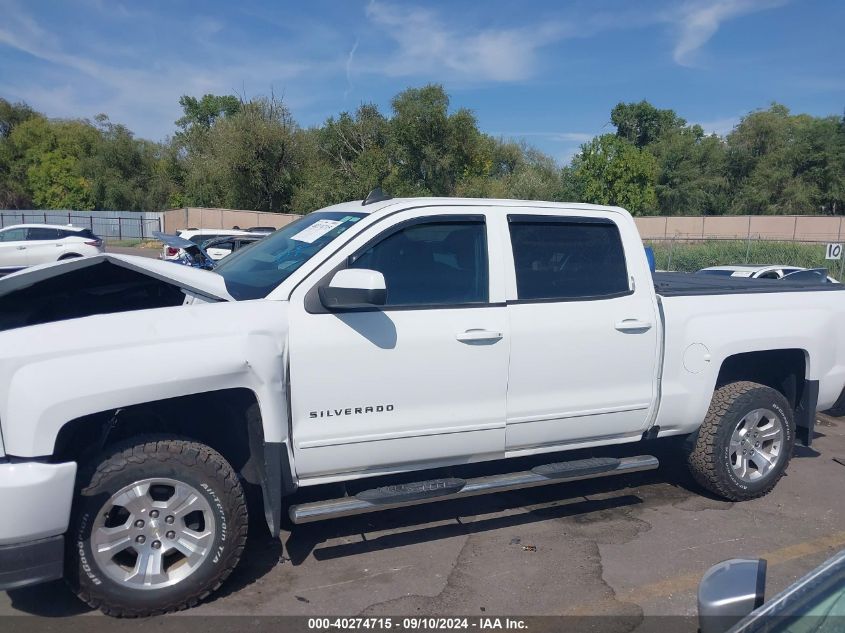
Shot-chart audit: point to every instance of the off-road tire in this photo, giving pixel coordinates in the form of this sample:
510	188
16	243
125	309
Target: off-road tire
709	458
170	457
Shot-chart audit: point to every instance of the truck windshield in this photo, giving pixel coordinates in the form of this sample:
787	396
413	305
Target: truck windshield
253	272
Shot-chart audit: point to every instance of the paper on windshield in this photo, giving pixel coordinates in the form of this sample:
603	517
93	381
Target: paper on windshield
316	231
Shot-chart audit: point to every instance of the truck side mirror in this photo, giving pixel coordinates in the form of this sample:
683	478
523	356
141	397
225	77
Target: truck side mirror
728	592
354	289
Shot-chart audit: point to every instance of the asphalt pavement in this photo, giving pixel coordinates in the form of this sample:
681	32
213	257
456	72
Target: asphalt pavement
631	547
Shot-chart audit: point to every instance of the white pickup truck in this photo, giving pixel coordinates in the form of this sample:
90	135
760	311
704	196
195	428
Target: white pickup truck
366	341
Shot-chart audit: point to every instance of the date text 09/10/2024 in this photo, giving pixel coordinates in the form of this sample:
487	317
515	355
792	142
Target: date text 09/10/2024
418	623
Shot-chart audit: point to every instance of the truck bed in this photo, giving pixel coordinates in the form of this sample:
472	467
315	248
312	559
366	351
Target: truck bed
690	284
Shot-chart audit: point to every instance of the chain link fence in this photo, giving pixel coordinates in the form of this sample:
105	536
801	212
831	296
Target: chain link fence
108	225
690	255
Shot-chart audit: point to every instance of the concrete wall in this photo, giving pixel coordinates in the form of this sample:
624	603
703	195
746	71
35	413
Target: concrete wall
133	224
807	228
202	218
773	227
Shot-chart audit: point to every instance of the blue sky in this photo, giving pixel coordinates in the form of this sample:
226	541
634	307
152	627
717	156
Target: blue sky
546	71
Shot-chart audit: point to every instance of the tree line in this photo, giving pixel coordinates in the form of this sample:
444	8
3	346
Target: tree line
228	152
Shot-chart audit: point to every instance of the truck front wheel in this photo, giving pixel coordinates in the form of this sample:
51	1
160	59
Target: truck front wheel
745	443
157	525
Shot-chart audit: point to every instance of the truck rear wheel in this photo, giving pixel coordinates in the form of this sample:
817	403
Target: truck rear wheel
745	443
158	524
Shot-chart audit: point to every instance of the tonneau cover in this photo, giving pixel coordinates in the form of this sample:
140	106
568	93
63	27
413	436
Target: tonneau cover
690	284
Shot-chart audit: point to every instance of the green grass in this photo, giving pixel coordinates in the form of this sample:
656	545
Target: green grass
692	256
135	243
128	242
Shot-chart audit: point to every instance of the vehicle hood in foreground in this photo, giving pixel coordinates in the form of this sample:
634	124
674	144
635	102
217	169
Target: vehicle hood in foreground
102	284
193	281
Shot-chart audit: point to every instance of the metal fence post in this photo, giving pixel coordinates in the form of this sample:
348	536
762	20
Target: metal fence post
842	269
119	228
671	248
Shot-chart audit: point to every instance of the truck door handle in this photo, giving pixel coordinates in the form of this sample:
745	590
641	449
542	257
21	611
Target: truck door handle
21	248
477	335
632	325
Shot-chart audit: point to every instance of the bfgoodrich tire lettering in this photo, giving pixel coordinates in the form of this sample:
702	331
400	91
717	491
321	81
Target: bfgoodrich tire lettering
724	435
157	465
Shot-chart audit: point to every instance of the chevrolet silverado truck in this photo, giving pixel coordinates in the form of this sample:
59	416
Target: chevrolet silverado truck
379	347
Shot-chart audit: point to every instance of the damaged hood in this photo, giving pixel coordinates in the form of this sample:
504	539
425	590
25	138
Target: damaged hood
193	281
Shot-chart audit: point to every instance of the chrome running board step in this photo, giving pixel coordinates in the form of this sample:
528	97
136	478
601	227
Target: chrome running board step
401	495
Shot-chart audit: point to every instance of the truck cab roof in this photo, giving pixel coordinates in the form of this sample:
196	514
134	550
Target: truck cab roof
358	206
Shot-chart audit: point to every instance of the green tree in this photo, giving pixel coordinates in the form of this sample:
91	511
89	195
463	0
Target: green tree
691	176
47	158
642	124
515	171
253	155
247	160
12	115
779	163
125	172
430	148
13	190
610	170
202	113
344	159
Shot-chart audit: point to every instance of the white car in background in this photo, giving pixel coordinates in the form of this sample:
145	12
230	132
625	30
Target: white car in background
752	271
23	245
198	237
219	247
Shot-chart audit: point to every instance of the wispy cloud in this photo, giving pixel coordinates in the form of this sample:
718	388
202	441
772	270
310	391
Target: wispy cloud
426	45
699	21
134	60
145	93
349	59
206	27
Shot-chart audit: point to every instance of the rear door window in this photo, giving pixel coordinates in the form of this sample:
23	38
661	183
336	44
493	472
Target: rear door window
567	258
38	233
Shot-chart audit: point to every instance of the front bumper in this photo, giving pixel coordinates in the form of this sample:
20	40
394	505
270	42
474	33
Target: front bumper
23	564
35	499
